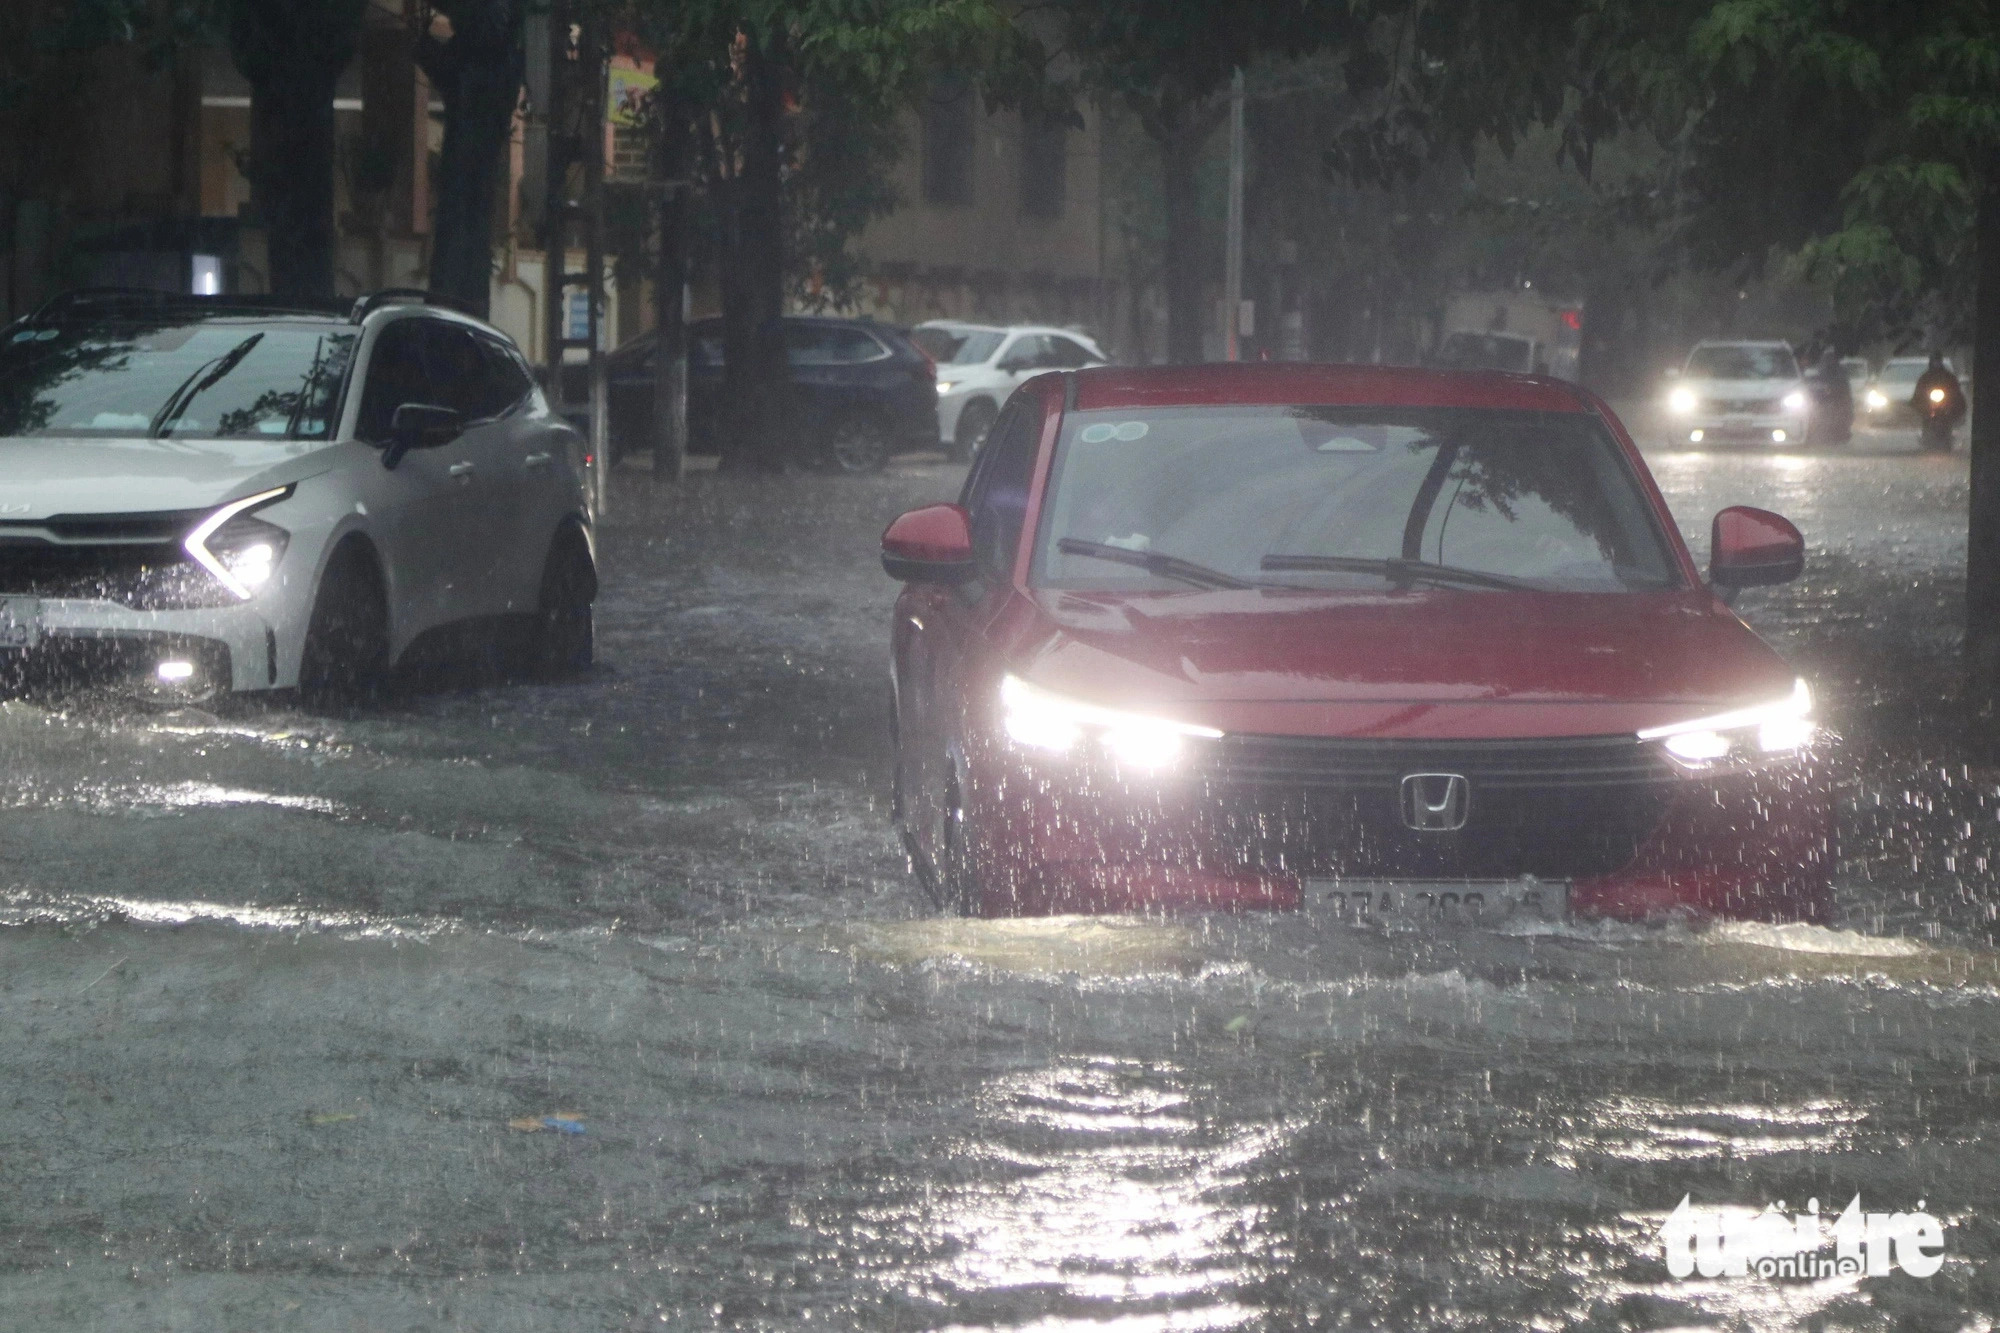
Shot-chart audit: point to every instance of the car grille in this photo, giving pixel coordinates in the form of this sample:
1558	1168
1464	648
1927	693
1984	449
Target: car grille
1557	809
1756	407
136	560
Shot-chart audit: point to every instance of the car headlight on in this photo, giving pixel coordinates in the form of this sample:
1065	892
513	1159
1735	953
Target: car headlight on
1741	738
946	386
1795	401
240	550
1681	400
1877	400
1937	395
1041	720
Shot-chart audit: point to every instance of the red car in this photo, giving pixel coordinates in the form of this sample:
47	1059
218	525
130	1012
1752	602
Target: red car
1375	642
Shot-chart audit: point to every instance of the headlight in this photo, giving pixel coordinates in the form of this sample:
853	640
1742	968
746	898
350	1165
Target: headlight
1937	395
1040	720
1741	738
1681	400
946	386
1795	401
1877	400
241	551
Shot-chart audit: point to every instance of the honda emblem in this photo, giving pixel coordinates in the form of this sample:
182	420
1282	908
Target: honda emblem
1436	802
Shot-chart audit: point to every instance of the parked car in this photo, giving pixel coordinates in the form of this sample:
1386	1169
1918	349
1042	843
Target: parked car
1741	393
1888	399
1857	375
980	364
862	392
214	495
1365	641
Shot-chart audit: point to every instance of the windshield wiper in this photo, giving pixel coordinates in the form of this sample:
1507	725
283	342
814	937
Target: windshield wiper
205	377
1402	571
1154	562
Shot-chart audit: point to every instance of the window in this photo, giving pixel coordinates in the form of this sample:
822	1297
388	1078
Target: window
506	381
830	345
1044	166
997	491
948	135
1060	353
398	373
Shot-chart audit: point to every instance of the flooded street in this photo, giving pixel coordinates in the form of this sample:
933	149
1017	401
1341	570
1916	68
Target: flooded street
611	1005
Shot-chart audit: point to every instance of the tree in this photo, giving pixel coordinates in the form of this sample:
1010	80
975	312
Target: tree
1894	191
293	52
777	98
476	71
1167	61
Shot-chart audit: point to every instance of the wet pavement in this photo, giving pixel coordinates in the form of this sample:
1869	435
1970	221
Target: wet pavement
610	1005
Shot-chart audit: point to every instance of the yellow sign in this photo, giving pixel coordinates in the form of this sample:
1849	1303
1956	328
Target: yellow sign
625	106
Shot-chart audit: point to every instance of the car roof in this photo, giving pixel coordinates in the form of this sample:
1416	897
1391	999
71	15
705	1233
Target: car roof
1293	383
962	326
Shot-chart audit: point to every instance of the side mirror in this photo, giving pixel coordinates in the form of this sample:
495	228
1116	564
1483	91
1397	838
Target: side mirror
420	426
1014	365
930	545
1750	548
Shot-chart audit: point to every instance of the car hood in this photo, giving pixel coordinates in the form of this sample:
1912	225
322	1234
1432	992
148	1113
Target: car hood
1421	662
41	477
1741	388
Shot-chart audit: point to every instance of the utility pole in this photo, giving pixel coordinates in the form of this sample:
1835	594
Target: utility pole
573	218
1232	281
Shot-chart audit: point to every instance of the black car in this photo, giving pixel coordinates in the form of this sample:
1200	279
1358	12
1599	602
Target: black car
862	391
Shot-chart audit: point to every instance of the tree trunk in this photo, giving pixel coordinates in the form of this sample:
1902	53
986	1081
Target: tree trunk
757	373
291	173
1180	138
1982	547
292	53
477	75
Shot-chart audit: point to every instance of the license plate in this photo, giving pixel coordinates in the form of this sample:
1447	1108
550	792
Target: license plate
20	622
1441	902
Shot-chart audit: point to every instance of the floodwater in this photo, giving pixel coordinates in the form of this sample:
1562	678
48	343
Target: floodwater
610	1005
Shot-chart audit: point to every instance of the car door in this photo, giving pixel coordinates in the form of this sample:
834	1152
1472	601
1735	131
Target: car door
945	626
1020	359
426	504
486	462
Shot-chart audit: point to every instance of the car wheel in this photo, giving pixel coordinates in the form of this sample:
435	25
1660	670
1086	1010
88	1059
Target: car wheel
974	421
857	444
346	653
565	630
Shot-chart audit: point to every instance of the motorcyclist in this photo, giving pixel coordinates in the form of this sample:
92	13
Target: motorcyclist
1833	400
1949	410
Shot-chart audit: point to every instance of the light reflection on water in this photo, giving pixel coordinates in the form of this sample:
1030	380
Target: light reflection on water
1100	1181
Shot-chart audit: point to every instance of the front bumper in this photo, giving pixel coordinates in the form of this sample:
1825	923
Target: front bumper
1245	825
231	647
1744	429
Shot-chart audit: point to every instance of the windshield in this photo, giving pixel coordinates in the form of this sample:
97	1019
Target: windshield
1743	362
1323	497
1905	370
216	378
957	347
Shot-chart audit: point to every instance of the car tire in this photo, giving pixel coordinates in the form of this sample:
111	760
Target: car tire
975	419
564	641
857	444
345	658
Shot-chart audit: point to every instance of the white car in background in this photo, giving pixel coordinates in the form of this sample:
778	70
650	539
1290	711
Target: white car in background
1741	393
213	495
978	365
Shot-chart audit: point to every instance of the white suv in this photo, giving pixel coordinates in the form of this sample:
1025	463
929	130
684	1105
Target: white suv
214	495
978	365
1742	393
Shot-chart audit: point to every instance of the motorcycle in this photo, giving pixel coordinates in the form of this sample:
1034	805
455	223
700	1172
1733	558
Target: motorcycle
1938	408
